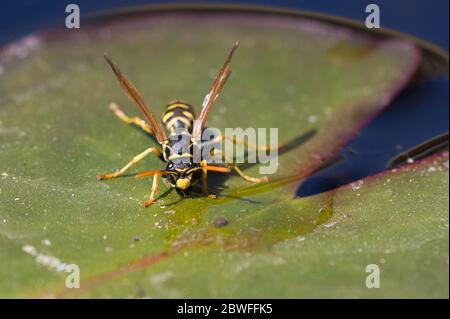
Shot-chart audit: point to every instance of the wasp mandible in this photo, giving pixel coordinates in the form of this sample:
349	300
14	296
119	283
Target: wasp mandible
181	171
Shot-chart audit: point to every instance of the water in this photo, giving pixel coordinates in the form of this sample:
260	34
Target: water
422	18
418	114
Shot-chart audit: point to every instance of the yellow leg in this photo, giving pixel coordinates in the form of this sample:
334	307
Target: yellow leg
241	173
249	178
153	192
129	120
135	160
205	181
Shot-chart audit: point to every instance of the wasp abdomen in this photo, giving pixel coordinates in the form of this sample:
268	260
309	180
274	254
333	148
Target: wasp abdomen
178	116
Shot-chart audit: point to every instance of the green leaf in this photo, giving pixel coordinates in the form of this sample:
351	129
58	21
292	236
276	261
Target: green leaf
390	220
315	82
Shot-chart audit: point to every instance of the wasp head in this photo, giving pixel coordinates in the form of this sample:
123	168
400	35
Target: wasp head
182	176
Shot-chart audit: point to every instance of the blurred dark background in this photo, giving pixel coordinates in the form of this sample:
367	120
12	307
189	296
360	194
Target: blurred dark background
418	114
426	19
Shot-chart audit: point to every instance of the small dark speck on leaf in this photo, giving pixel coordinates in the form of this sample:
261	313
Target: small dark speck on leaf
136	238
221	222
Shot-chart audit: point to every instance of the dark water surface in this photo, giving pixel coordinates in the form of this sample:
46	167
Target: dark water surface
418	114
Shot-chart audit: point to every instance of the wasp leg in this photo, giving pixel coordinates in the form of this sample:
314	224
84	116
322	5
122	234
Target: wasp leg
113	107
153	192
135	160
250	179
205	181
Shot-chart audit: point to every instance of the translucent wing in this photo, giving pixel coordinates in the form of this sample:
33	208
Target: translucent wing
212	95
136	97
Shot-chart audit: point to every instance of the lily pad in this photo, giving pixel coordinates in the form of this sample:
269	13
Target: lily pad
388	220
317	83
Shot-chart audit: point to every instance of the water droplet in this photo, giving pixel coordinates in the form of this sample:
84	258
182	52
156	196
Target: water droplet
357	185
312	119
46	242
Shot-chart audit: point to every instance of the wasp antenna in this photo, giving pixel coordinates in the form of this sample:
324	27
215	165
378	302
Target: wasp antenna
150	173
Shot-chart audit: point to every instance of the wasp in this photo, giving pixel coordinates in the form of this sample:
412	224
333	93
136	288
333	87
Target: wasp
181	172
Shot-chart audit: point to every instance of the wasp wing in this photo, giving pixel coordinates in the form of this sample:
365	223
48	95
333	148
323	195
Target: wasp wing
212	95
134	95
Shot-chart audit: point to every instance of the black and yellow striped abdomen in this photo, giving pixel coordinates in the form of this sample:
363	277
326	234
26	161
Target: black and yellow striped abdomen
178	116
